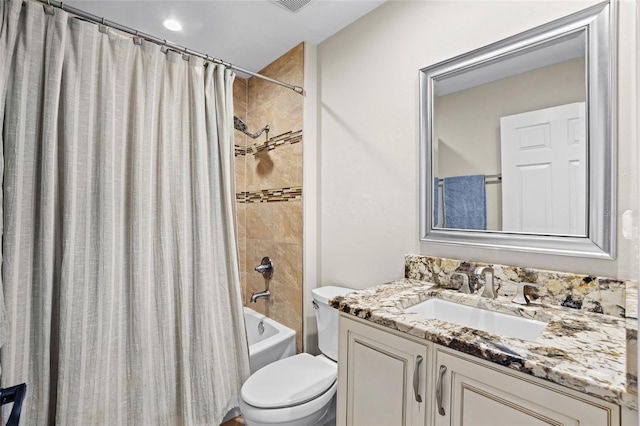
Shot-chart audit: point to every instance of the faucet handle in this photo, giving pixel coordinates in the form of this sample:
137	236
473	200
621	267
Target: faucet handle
464	288
265	268
522	298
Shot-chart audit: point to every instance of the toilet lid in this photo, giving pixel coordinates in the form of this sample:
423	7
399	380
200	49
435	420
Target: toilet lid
289	381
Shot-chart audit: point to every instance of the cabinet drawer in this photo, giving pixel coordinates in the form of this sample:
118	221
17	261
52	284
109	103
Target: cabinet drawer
477	394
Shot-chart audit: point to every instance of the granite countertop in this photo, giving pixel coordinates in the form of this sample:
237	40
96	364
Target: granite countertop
583	351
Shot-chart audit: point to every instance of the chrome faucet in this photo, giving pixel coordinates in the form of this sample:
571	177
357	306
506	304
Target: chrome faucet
265	268
260	295
489	289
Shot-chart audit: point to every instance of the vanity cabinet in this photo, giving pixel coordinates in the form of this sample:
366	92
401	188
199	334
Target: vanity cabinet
381	377
376	376
475	393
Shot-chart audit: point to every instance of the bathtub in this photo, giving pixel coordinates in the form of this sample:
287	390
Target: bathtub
268	340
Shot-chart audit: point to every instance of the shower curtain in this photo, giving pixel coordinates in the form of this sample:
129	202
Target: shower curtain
120	280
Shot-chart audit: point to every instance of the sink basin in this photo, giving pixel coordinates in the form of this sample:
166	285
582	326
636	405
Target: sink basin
480	319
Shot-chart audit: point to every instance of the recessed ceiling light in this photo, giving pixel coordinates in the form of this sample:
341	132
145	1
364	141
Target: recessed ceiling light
172	24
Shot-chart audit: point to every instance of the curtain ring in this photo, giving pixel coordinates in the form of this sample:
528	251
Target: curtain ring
164	43
137	40
103	21
48	8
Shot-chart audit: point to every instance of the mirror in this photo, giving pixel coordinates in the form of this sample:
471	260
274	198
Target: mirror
517	141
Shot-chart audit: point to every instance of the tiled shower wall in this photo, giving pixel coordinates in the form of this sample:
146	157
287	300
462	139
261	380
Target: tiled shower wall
269	188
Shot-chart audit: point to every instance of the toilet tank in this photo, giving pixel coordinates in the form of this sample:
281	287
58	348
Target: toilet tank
327	318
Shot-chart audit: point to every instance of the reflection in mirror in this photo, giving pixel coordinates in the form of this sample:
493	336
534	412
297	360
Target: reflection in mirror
517	141
510	120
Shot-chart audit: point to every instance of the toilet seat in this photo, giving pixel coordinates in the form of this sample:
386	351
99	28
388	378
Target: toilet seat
289	382
303	414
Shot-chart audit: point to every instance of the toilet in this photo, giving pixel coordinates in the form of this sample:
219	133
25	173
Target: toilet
299	390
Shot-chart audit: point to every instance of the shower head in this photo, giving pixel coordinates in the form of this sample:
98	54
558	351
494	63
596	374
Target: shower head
240	124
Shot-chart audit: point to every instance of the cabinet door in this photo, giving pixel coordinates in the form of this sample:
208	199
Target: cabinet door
474	394
381	378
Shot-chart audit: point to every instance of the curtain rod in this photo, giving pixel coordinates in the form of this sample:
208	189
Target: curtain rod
163	42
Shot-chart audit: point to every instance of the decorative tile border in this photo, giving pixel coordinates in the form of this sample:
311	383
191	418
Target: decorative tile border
288	138
586	292
269	195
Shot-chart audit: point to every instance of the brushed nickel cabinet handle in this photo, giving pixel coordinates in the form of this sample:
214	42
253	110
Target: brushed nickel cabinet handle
443	370
416	378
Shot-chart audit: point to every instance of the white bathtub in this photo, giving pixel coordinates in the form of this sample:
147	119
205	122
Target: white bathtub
268	340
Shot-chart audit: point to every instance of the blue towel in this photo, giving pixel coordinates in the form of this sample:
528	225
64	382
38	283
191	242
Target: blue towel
465	202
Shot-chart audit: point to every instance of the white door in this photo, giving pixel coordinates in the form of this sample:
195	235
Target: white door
544	171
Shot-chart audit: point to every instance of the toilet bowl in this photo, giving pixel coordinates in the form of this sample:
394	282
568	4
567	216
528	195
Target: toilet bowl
299	390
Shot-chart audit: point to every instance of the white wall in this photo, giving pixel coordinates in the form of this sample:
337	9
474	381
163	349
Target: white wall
368	133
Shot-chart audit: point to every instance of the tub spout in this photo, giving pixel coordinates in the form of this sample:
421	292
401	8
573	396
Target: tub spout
260	295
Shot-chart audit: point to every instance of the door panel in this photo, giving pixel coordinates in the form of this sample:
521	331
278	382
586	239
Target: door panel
382	378
544	171
378	384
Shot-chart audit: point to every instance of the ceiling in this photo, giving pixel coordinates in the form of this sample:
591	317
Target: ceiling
248	33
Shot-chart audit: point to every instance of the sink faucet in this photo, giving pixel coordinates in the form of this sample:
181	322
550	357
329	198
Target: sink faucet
260	295
489	289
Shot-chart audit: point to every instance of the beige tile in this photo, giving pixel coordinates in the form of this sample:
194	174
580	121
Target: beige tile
275	105
255	283
278	168
285	304
243	287
242	260
287	259
240	173
290	62
240	92
274	229
256	250
287	221
240	138
260	221
286	286
239	96
242	253
283	114
287	310
241	219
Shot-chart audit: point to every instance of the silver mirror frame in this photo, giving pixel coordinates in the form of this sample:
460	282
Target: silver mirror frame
599	23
